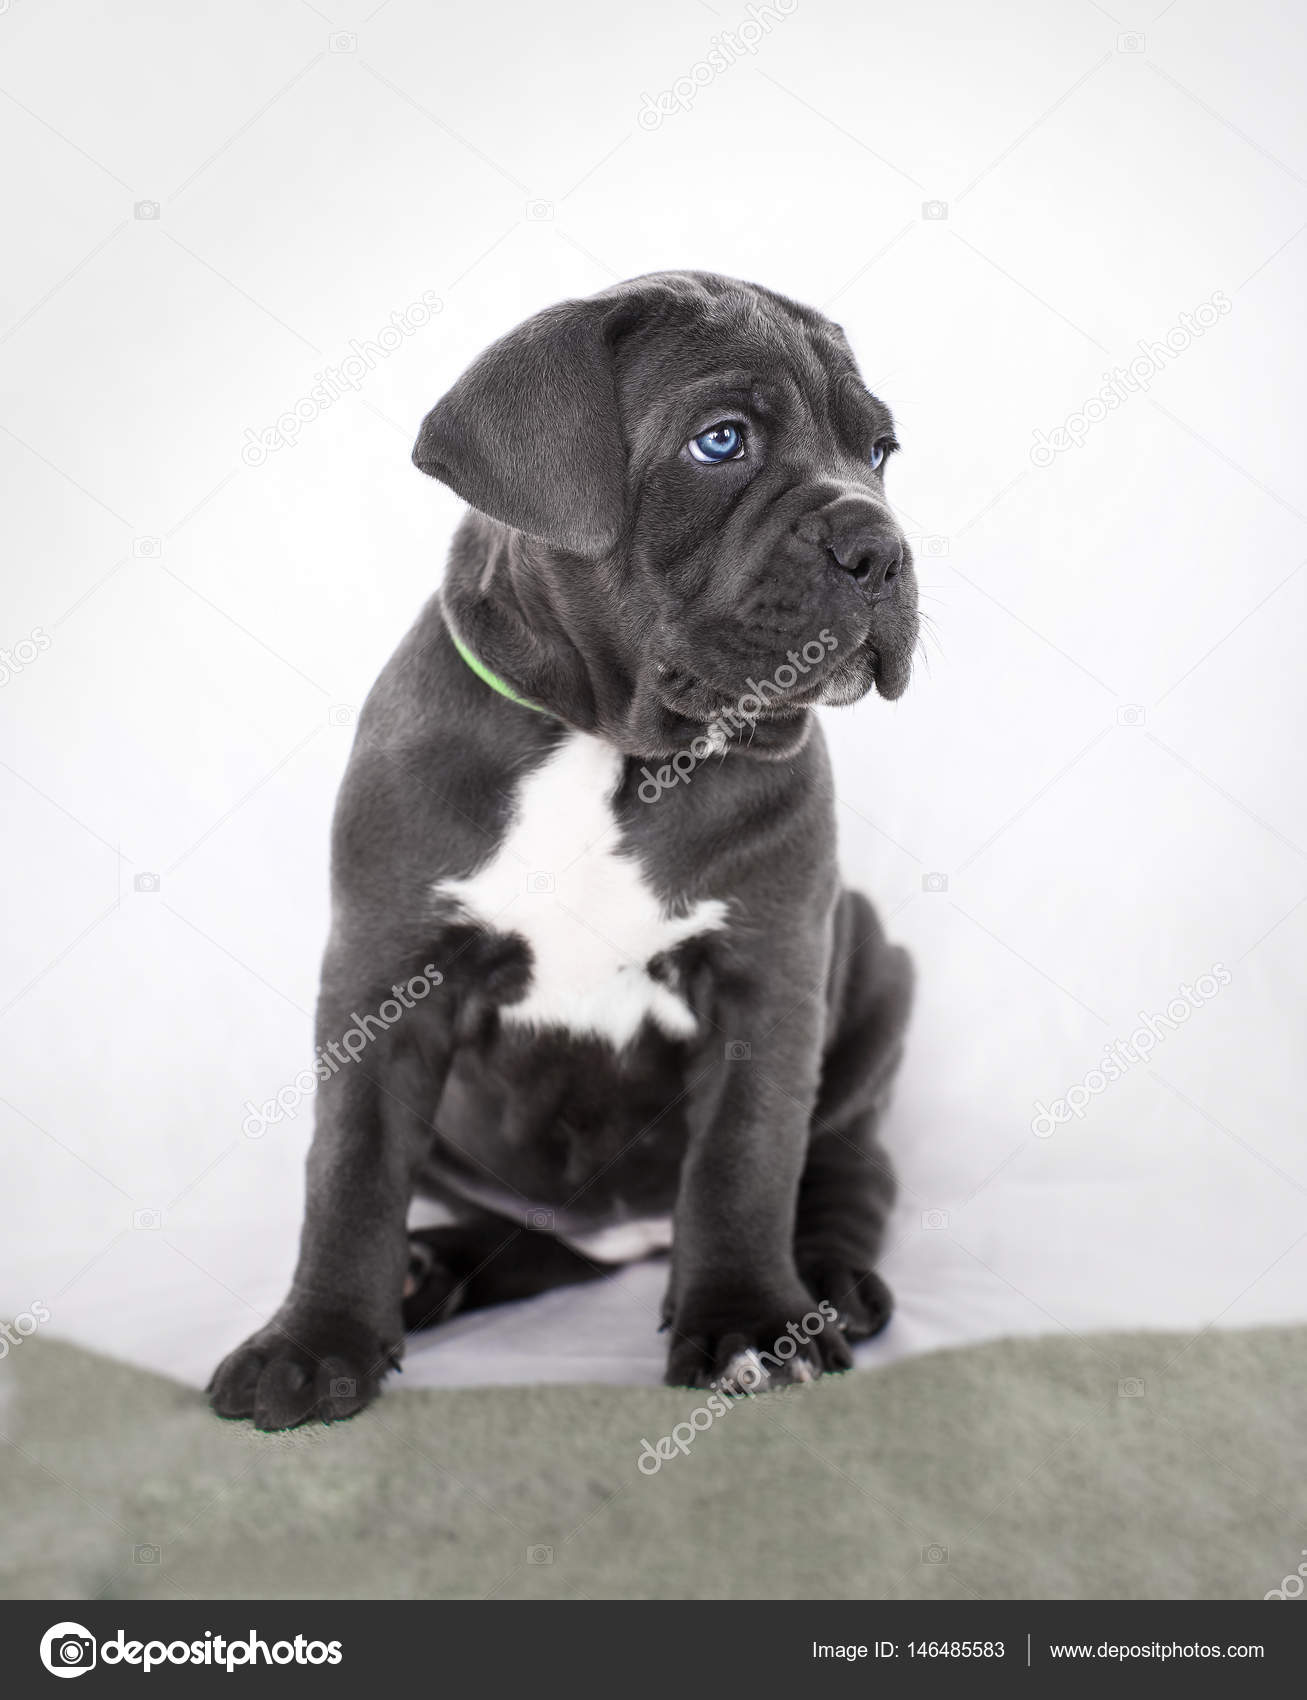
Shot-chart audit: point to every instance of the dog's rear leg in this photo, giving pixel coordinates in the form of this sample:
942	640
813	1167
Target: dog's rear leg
848	1184
485	1260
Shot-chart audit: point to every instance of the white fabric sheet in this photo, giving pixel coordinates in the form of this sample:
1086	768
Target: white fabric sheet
1090	796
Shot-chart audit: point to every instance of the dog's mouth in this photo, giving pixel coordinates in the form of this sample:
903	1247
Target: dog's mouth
762	701
767	716
891	670
735	710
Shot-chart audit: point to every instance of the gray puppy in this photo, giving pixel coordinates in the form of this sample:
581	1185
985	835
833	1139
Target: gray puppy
586	906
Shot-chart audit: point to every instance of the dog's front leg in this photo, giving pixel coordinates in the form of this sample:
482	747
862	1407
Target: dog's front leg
739	1314
324	1352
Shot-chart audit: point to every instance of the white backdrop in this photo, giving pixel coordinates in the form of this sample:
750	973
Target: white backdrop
1089	798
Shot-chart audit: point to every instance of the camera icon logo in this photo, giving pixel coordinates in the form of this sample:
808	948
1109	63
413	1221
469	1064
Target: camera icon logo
1130	1387
146	882
934	209
538	212
934	882
149	1221
343	1387
934	1219
1130	714
145	210
541	1220
934	1554
146	1555
1131	42
934	545
340	714
68	1650
147	548
737	1050
539	883
343	42
540	1555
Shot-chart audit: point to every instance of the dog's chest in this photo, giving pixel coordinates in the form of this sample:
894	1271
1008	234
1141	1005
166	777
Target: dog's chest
562	879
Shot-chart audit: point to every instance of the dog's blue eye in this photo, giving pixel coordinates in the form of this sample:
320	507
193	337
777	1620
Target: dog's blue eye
721	442
877	455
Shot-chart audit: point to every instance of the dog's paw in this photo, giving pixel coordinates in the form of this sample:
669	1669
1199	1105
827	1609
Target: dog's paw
434	1288
772	1346
860	1298
300	1369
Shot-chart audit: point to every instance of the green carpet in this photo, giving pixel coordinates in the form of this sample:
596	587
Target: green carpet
1026	1469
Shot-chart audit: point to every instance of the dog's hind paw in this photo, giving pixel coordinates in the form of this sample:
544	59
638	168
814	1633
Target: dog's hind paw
862	1301
301	1369
433	1291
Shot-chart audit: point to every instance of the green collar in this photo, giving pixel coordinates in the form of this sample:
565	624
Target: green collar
486	676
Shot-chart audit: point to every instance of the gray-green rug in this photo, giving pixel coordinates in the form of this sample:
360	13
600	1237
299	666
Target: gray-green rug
1122	1466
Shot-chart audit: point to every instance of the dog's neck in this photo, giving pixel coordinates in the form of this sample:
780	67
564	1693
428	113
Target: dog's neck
541	622
507	600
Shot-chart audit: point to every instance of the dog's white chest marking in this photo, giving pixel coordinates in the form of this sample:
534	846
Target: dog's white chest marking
560	879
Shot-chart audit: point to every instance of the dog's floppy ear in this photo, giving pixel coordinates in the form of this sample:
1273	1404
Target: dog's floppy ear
531	435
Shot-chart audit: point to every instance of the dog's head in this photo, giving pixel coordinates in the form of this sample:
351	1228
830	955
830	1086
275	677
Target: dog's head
693	474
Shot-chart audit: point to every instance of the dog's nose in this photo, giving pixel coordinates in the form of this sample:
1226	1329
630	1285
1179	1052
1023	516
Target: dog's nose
871	557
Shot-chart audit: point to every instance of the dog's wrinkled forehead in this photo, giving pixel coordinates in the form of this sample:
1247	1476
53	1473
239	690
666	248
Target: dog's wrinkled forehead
695	352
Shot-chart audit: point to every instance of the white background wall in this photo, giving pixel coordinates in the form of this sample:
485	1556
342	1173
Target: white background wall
1102	757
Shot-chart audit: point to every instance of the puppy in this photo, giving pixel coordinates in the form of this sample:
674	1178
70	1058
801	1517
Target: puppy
586	909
